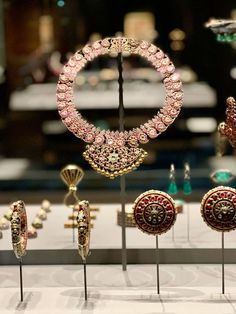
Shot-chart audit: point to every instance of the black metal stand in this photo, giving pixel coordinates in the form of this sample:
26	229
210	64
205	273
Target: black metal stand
21	281
188	222
157	263
85	281
73	228
122	179
223	262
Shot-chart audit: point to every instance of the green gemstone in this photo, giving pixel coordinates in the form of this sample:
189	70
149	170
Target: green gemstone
172	188
187	188
222	176
218	37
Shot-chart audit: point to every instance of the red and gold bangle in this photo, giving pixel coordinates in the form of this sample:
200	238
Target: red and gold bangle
84	227
19	228
228	128
154	212
114	153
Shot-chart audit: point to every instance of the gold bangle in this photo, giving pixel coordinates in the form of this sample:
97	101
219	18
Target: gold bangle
19	228
83	220
129	219
71	225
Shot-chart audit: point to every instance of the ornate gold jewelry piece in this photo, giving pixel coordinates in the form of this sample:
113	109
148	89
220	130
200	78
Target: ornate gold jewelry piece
129	219
83	220
114	153
228	128
71	175
19	228
218	208
154	212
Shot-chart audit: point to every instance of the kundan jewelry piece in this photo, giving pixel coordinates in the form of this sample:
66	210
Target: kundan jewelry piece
154	212
19	228
84	227
114	153
228	128
218	208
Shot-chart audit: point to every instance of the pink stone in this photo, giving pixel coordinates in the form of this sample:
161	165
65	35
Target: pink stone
64	113
61	88
152	133
170	68
152	48
61	105
144	44
159	54
72	62
174	77
68	120
61	96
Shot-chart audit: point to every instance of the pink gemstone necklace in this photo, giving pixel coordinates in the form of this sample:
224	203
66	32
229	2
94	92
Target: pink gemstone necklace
114	153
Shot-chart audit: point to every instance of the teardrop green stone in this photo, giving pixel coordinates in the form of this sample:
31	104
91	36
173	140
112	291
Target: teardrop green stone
187	188
172	188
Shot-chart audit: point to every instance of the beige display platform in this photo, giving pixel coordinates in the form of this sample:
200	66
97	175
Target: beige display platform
54	243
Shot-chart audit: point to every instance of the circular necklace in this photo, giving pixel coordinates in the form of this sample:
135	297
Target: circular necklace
114	153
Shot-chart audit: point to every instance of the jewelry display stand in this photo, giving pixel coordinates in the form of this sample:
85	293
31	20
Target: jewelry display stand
157	264
85	281
122	178
21	281
223	262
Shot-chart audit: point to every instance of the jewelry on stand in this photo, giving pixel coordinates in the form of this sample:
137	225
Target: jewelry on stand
84	227
154	212
114	153
19	228
172	188
71	176
225	30
221	176
218	208
228	128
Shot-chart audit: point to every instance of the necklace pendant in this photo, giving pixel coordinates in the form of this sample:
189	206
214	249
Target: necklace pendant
113	160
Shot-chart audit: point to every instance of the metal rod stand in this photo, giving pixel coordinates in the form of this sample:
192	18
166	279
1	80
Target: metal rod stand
85	281
188	223
157	263
21	281
122	179
223	261
73	229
